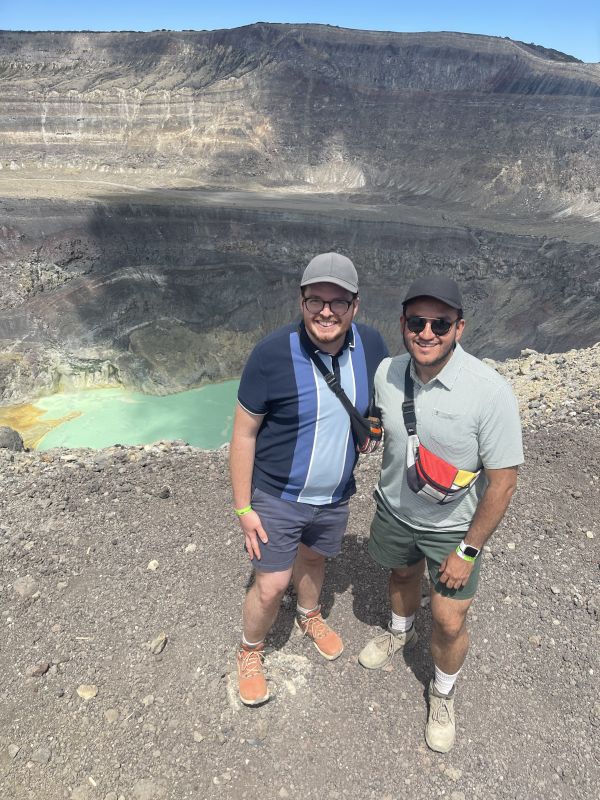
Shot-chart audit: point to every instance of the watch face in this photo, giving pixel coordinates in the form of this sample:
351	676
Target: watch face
472	552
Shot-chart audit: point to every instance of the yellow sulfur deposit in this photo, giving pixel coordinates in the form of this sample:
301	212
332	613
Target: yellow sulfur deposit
26	419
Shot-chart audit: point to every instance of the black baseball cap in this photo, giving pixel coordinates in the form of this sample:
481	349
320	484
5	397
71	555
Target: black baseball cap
437	286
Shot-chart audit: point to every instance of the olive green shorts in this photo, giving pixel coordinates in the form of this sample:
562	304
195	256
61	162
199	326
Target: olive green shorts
395	544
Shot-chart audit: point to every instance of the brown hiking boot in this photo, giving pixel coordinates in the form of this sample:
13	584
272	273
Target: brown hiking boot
327	642
251	678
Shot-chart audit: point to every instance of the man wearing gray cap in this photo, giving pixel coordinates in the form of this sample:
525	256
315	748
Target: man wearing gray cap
292	458
451	450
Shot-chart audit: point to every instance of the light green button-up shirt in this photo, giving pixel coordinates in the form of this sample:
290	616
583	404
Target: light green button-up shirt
467	415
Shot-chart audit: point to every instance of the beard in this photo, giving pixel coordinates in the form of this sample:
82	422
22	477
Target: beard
326	335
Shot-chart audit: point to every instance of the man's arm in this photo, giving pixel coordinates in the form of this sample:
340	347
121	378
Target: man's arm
455	571
241	465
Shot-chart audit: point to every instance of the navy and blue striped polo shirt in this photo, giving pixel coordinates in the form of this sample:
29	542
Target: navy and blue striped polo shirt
305	451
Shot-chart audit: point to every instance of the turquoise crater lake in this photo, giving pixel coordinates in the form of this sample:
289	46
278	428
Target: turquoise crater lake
103	417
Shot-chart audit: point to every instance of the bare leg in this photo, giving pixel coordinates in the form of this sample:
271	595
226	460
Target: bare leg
449	637
262	603
405	589
308	576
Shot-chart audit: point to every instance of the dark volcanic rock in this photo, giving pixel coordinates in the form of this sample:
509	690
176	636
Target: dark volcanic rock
10	439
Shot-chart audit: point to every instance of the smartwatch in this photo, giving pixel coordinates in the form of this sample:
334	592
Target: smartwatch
467	552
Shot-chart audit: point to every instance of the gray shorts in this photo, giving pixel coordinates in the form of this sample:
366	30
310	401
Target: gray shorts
288	524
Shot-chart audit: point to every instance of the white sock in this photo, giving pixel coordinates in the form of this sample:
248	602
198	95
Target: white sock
402	624
250	644
305	611
443	682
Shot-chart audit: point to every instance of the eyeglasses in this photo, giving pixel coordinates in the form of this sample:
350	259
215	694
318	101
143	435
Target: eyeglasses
314	305
439	327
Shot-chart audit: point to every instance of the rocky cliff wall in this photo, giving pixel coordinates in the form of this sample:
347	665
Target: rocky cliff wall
163	297
470	118
161	192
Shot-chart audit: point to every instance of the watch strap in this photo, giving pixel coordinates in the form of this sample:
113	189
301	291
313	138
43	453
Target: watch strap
465	551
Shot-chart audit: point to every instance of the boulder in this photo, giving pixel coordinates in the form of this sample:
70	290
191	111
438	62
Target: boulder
10	439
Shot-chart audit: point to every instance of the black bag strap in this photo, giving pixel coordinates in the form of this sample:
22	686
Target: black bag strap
408	406
359	424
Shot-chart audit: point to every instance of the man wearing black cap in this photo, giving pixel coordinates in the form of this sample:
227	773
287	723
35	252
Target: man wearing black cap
292	458
451	450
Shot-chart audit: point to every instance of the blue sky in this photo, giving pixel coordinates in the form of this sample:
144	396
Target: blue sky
573	27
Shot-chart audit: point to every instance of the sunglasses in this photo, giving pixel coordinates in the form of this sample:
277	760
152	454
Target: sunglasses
439	327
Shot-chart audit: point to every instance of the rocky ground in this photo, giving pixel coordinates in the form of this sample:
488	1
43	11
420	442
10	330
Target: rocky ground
122	577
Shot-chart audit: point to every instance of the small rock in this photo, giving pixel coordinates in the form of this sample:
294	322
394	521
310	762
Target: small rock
453	773
198	737
87	691
511	546
13	750
589	534
157	645
191	548
148	700
153	565
555	589
111	715
41	755
164	492
25	587
283	792
37	670
577	495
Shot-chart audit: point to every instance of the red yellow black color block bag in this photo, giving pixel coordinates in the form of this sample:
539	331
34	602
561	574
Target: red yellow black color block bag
428	475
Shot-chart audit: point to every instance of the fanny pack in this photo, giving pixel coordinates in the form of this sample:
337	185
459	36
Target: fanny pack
367	431
428	475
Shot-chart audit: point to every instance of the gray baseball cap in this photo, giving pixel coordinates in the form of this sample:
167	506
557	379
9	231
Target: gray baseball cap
331	268
437	286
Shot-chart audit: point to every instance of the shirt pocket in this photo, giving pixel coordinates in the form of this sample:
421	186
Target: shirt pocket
449	434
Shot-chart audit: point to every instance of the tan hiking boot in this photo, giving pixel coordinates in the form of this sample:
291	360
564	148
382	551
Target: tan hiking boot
380	650
327	642
251	677
440	730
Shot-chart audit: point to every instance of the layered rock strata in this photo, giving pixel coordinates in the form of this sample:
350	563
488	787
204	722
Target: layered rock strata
160	193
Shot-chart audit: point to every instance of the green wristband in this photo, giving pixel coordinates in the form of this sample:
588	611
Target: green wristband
241	511
460	554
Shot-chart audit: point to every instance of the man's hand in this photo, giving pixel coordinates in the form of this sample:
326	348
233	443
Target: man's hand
369	446
253	531
372	443
455	571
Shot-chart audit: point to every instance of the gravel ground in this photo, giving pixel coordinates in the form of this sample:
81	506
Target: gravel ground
122	578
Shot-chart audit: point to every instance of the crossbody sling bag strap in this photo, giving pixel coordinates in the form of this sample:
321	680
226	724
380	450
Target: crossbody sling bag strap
366	430
428	475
